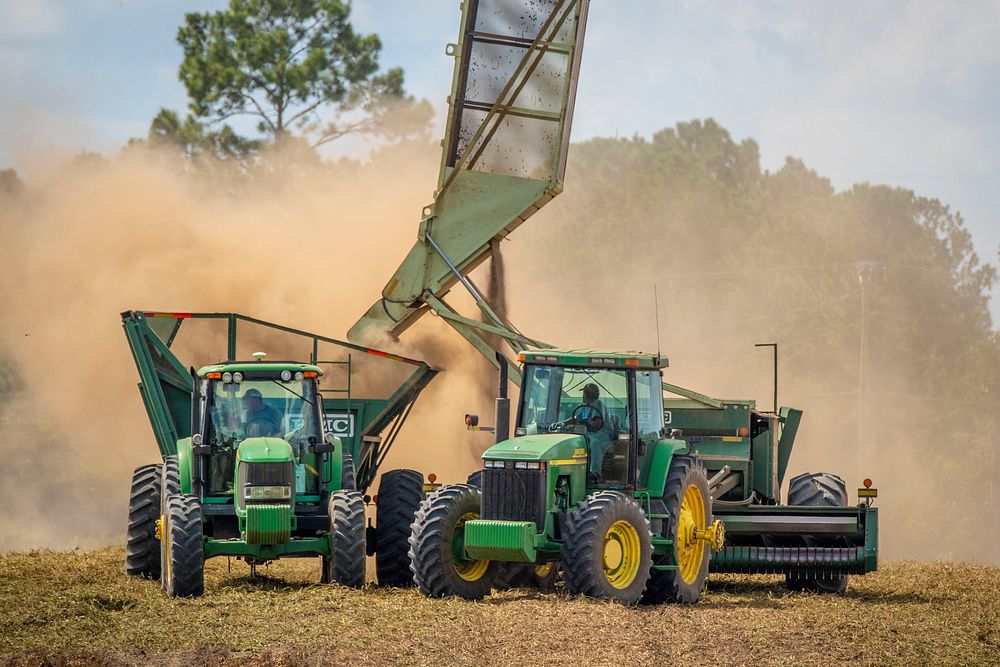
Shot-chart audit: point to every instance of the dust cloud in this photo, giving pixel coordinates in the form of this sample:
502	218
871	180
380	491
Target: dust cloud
312	247
309	247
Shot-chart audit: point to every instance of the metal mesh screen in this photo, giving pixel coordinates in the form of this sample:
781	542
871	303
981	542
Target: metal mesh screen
532	85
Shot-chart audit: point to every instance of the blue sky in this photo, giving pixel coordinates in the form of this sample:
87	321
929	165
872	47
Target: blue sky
902	93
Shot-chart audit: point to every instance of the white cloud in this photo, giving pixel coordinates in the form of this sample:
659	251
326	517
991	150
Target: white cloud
30	18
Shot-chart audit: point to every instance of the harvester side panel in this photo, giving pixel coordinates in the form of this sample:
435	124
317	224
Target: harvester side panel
164	383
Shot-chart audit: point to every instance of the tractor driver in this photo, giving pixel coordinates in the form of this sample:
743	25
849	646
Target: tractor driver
594	416
262	419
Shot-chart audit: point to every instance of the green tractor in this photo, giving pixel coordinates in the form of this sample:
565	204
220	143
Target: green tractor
636	497
259	465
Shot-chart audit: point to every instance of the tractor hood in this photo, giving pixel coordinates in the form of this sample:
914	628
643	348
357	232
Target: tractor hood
541	447
264	450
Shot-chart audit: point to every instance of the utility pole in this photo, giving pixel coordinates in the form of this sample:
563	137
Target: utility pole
865	271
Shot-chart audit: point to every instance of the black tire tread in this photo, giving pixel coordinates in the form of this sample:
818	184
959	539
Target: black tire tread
170	484
187	551
142	549
347	523
399	497
817	489
348	474
667	585
433	571
582	538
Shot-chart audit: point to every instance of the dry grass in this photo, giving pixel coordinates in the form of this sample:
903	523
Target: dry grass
79	608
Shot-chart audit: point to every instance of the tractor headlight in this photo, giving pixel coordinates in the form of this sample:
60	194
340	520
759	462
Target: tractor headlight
237	377
267	492
521	465
299	376
227	377
286	376
533	465
492	464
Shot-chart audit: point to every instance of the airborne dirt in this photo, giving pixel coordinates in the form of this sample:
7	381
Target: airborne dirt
79	608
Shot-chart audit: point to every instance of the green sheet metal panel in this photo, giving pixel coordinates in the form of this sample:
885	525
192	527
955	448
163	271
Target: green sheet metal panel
488	539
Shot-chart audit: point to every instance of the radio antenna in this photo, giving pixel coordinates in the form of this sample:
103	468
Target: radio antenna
656	311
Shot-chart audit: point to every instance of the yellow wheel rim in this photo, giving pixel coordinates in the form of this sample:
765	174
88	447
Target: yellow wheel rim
543	570
622	552
690	550
470	570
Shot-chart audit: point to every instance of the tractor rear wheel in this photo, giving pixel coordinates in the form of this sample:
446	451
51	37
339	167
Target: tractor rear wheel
437	546
607	548
348	477
183	548
690	508
142	550
819	489
347	540
399	495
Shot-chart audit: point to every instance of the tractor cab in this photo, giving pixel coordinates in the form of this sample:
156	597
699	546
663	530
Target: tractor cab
240	407
613	402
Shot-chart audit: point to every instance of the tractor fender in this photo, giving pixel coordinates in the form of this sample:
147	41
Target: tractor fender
659	456
184	464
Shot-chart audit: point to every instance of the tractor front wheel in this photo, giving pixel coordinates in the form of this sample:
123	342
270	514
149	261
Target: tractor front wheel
347	540
142	552
183	548
607	548
437	546
399	495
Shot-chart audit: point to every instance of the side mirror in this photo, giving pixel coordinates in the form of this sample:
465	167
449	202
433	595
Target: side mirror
329	444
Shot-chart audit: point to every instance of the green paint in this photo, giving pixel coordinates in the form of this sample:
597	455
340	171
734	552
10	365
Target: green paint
501	540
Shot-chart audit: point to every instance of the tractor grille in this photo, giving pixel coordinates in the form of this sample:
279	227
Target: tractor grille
269	473
514	495
262	474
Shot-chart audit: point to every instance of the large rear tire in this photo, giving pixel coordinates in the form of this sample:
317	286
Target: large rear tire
437	546
689	505
183	548
819	489
142	549
347	540
399	496
607	549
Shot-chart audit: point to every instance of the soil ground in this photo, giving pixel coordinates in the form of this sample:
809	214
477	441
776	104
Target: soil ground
79	608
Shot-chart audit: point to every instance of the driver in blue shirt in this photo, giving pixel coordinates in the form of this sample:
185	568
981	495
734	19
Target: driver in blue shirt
594	416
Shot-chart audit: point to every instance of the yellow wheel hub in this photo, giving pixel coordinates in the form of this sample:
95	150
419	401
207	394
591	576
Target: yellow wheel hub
622	552
542	571
470	570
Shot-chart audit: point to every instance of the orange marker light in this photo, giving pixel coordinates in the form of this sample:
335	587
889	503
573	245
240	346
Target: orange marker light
310	374
867	483
743	431
432	478
631	362
214	376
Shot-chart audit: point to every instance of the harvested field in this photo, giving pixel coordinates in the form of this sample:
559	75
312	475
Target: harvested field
79	608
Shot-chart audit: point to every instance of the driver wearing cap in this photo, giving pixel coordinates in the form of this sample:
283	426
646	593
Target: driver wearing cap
595	416
262	419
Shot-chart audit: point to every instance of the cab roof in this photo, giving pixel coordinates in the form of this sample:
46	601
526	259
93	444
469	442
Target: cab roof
266	366
593	358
